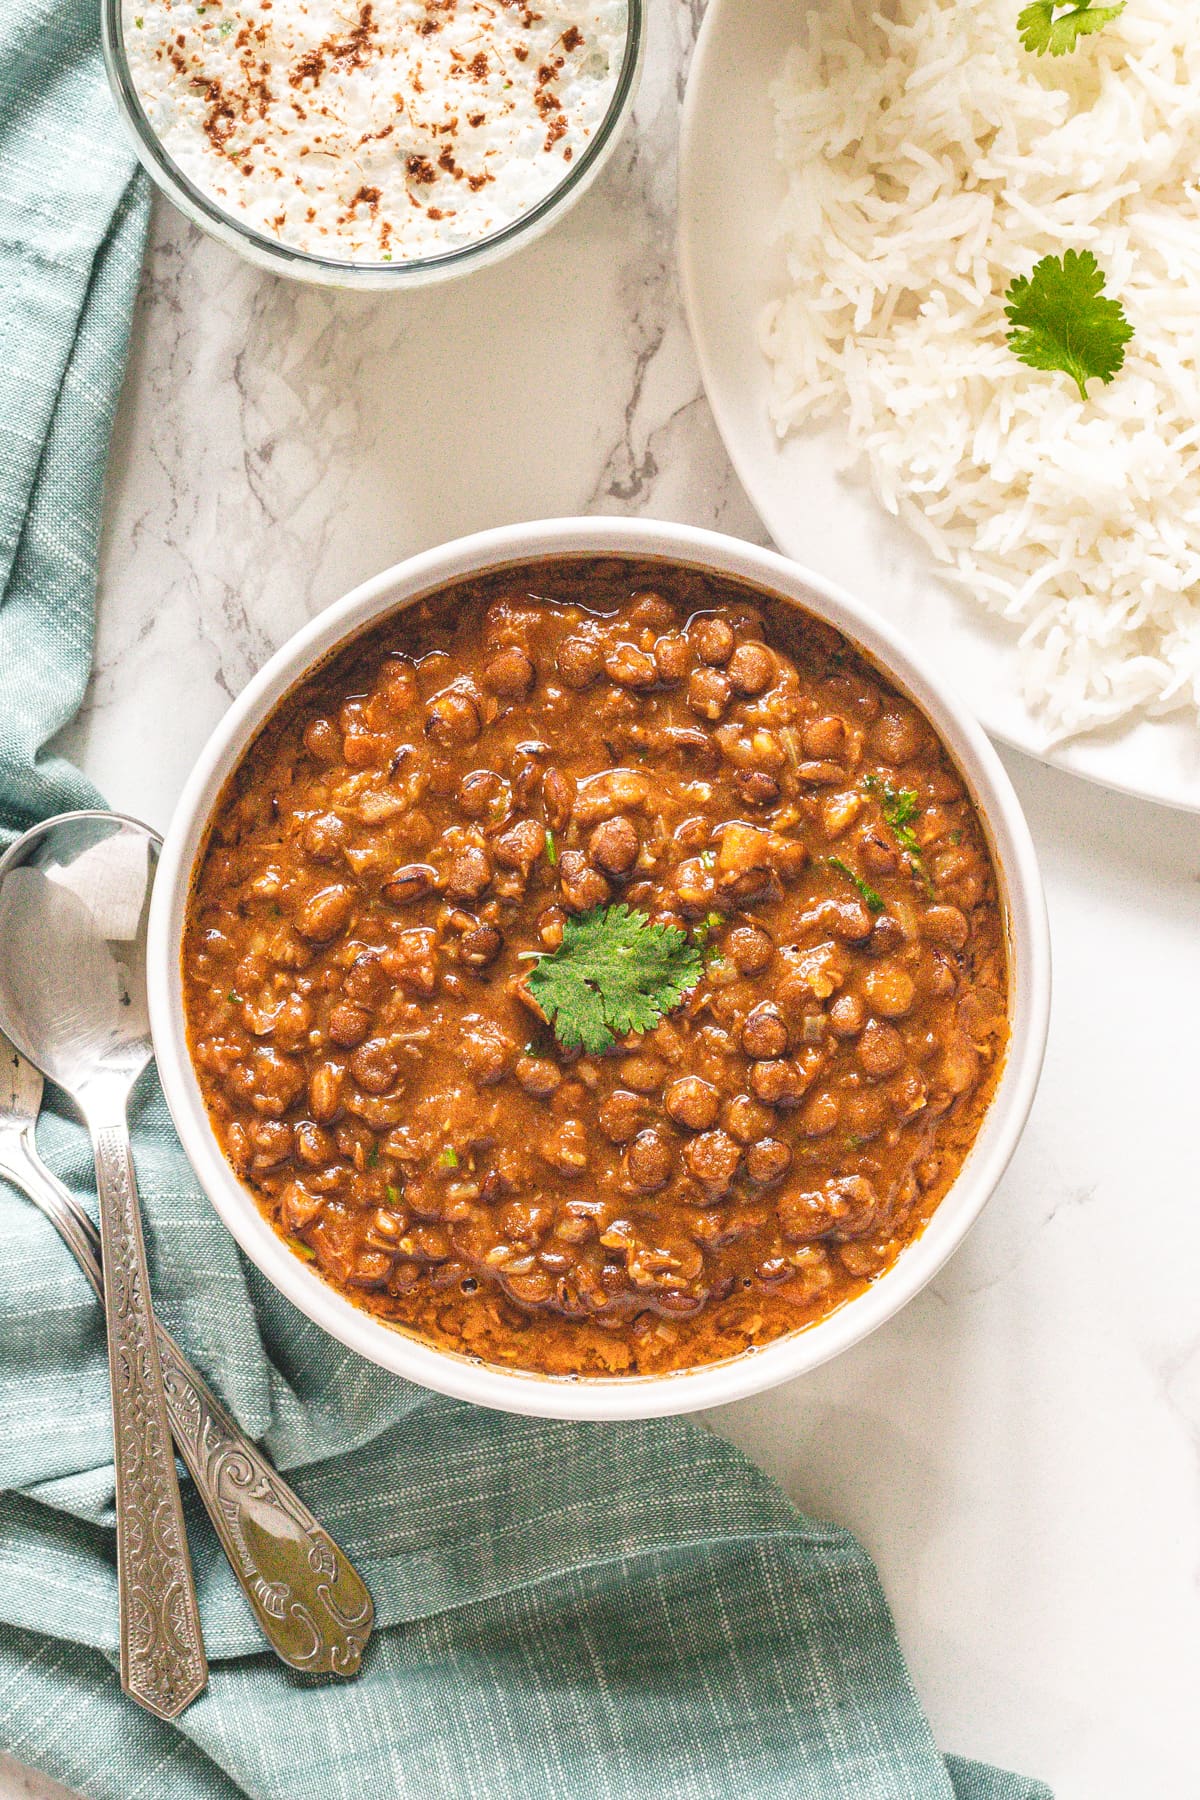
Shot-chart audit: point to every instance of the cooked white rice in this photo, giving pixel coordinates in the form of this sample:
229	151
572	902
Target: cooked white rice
930	160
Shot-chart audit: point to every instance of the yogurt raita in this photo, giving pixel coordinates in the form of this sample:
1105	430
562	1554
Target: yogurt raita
378	130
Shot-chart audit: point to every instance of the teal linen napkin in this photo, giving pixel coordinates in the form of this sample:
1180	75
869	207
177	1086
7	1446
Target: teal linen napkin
564	1610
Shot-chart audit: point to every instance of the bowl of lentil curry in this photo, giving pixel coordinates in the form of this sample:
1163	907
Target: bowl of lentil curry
597	971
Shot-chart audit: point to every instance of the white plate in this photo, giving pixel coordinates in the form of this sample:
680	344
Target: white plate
730	191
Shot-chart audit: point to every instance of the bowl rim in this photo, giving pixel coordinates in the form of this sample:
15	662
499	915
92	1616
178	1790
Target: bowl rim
266	252
755	1370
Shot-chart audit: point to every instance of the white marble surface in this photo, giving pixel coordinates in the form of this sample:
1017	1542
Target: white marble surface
1019	1450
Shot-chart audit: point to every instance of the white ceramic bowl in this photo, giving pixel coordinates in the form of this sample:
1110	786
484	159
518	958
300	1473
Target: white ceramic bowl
638	1396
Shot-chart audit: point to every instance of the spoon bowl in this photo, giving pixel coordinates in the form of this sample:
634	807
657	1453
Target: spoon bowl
74	902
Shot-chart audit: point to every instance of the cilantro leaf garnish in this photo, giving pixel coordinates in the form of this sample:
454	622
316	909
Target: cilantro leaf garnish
900	807
1062	319
871	896
1057	27
702	935
615	971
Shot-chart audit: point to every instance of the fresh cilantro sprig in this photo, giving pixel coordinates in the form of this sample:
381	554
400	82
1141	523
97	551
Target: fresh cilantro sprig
1051	25
872	898
900	807
615	971
1062	319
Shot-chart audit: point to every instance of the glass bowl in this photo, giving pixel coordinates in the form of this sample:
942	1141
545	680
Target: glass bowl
302	265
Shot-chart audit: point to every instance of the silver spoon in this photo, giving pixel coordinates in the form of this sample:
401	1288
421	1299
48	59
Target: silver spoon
310	1602
74	896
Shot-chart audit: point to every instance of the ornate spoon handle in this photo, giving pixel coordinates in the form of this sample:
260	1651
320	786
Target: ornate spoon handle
310	1601
163	1666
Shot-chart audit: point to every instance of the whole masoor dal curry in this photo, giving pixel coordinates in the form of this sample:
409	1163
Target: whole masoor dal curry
597	968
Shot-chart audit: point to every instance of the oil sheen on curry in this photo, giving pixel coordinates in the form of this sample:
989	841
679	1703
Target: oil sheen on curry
597	969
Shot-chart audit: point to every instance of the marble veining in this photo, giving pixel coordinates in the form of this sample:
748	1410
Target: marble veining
1019	1449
